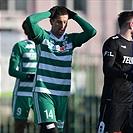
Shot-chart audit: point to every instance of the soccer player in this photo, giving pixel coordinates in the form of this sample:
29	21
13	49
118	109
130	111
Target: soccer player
22	66
117	97
53	77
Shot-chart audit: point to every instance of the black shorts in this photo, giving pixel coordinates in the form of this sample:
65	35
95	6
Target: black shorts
116	117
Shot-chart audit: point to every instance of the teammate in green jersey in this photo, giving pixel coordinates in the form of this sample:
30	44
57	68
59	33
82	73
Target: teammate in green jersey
53	76
22	65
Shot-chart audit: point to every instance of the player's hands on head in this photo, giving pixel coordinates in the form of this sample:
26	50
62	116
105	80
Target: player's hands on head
71	14
30	77
52	11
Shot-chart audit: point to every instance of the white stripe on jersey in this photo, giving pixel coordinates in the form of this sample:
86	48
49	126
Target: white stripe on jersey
22	93
26	84
53	56
53	80
50	45
30	65
54	68
31	55
54	92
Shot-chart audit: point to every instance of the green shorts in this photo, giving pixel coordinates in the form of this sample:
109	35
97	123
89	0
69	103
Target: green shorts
50	108
21	106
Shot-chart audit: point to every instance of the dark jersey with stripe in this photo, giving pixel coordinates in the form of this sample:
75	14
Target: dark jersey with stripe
117	60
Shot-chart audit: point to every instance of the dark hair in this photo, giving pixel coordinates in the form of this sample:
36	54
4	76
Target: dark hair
25	28
125	17
60	10
23	24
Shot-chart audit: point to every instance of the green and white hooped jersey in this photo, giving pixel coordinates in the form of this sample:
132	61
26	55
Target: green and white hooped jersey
53	74
54	66
24	53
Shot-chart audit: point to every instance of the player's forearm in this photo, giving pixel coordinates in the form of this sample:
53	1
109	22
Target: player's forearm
112	72
32	21
15	73
89	30
35	18
116	73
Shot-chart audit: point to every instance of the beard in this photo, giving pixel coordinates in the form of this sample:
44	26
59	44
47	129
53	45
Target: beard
60	33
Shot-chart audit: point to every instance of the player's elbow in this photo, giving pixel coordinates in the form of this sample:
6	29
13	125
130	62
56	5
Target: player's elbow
93	32
29	20
10	72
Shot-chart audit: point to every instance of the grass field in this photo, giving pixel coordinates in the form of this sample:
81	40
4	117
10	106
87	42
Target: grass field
5	94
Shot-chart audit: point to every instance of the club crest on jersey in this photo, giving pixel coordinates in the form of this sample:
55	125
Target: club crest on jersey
127	60
32	55
108	53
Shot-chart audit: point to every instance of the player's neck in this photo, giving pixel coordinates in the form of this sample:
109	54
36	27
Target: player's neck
127	35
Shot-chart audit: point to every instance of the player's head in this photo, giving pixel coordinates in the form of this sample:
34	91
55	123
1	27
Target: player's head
24	26
59	21
59	10
125	19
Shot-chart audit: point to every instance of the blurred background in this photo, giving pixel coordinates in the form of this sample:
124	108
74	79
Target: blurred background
87	76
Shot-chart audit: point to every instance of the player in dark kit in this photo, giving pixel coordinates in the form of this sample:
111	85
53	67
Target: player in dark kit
116	108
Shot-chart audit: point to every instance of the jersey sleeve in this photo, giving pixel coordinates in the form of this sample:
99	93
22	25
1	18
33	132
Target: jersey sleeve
14	63
109	52
88	32
36	32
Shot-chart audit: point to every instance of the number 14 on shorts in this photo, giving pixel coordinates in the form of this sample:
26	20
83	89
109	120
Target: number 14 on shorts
49	114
